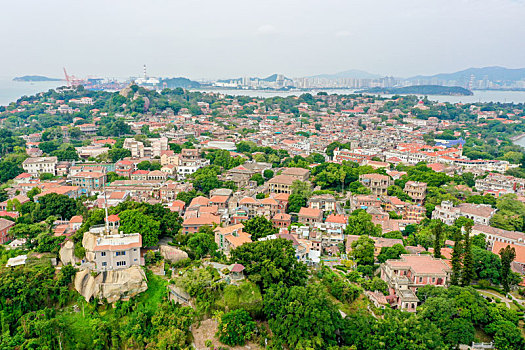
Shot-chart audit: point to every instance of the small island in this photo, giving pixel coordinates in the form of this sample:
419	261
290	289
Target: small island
35	78
421	90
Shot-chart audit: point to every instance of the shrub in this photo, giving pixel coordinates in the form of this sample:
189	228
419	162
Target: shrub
80	251
236	327
484	283
152	257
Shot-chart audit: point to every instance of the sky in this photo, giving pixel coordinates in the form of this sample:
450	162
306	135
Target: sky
211	39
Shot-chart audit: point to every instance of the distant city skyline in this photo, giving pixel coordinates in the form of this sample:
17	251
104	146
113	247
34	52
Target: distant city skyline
205	39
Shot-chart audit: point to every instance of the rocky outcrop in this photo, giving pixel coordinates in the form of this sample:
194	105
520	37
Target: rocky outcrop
172	254
88	242
111	285
67	254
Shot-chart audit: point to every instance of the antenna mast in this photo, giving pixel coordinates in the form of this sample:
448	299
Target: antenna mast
106	206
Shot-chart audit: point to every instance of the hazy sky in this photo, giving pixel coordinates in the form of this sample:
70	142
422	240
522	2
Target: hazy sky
233	38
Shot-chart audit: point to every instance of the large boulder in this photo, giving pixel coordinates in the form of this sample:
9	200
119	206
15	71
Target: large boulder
67	254
172	254
111	285
89	241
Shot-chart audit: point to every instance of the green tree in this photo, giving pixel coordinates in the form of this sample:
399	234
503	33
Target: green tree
144	165
134	221
338	287
66	153
49	146
259	227
33	192
268	174
202	244
456	260
360	223
269	262
236	328
479	199
9	170
506	335
113	176
27	231
257	178
507	254
479	241
398	192
302	317
187	197
510	214
467	273
363	250
116	154
223	159
301	192
205	179
396	331
487	265
58	205
376	284
45	176
438	236
393	252
443	312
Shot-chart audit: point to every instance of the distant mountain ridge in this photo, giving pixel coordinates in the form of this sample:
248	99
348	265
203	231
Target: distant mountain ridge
494	73
351	73
271	78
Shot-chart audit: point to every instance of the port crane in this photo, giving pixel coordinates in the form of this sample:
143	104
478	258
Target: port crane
72	80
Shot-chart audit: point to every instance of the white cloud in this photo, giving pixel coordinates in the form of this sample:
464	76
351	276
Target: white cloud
266	29
343	33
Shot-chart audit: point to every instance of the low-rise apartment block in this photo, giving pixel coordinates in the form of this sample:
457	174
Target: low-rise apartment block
40	165
377	183
416	190
448	213
89	182
117	251
281	184
231	237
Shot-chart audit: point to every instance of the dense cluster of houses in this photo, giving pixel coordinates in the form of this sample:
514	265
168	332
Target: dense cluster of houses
317	229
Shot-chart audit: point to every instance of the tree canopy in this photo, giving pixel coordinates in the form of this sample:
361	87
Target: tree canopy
269	262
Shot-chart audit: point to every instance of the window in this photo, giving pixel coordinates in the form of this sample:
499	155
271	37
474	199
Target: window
102	253
120	253
104	263
420	279
121	263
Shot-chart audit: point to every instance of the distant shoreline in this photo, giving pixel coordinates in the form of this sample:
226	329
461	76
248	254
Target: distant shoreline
436	90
